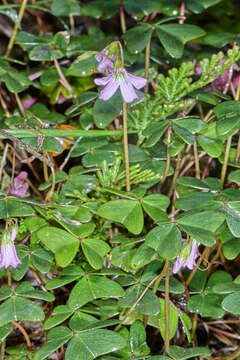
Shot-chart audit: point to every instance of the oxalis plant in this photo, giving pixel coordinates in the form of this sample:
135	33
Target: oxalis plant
119	179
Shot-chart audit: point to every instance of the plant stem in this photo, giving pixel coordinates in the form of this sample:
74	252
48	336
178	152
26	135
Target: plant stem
167	340
175	175
2	354
20	133
122	20
15	29
168	162
20	105
196	159
125	142
147	62
139	299
25	334
226	156
72	25
63	80
159	278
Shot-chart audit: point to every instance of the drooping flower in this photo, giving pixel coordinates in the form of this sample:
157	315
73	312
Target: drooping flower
8	254
187	258
120	78
104	62
19	187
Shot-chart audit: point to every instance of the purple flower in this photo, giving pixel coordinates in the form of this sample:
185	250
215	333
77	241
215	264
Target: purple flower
120	78
19	187
8	254
219	83
189	262
104	62
28	103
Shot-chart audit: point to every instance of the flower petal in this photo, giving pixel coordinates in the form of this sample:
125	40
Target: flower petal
103	81
137	81
177	265
127	91
109	89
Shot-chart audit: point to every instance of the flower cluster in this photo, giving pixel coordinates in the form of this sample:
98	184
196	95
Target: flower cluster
8	254
118	78
187	258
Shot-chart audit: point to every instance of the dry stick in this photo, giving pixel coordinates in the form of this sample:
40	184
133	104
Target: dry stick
25	334
166	306
16	26
63	80
125	141
232	356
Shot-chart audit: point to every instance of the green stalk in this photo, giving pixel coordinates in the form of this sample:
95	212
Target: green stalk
20	133
226	156
147	62
16	27
167	339
125	143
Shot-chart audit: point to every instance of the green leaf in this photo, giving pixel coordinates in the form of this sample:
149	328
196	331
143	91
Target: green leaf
155	206
24	256
206	305
228	117
166	240
93	287
17	308
127	212
41	259
210	222
180	353
65	8
234	176
174	36
148	305
60	242
56	338
234	224
212	147
105	112
231	249
231	303
219	39
90	344
59	315
14	208
138	339
5	331
5	292
95	250
101	8
159	320
27	290
138	37
193	200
